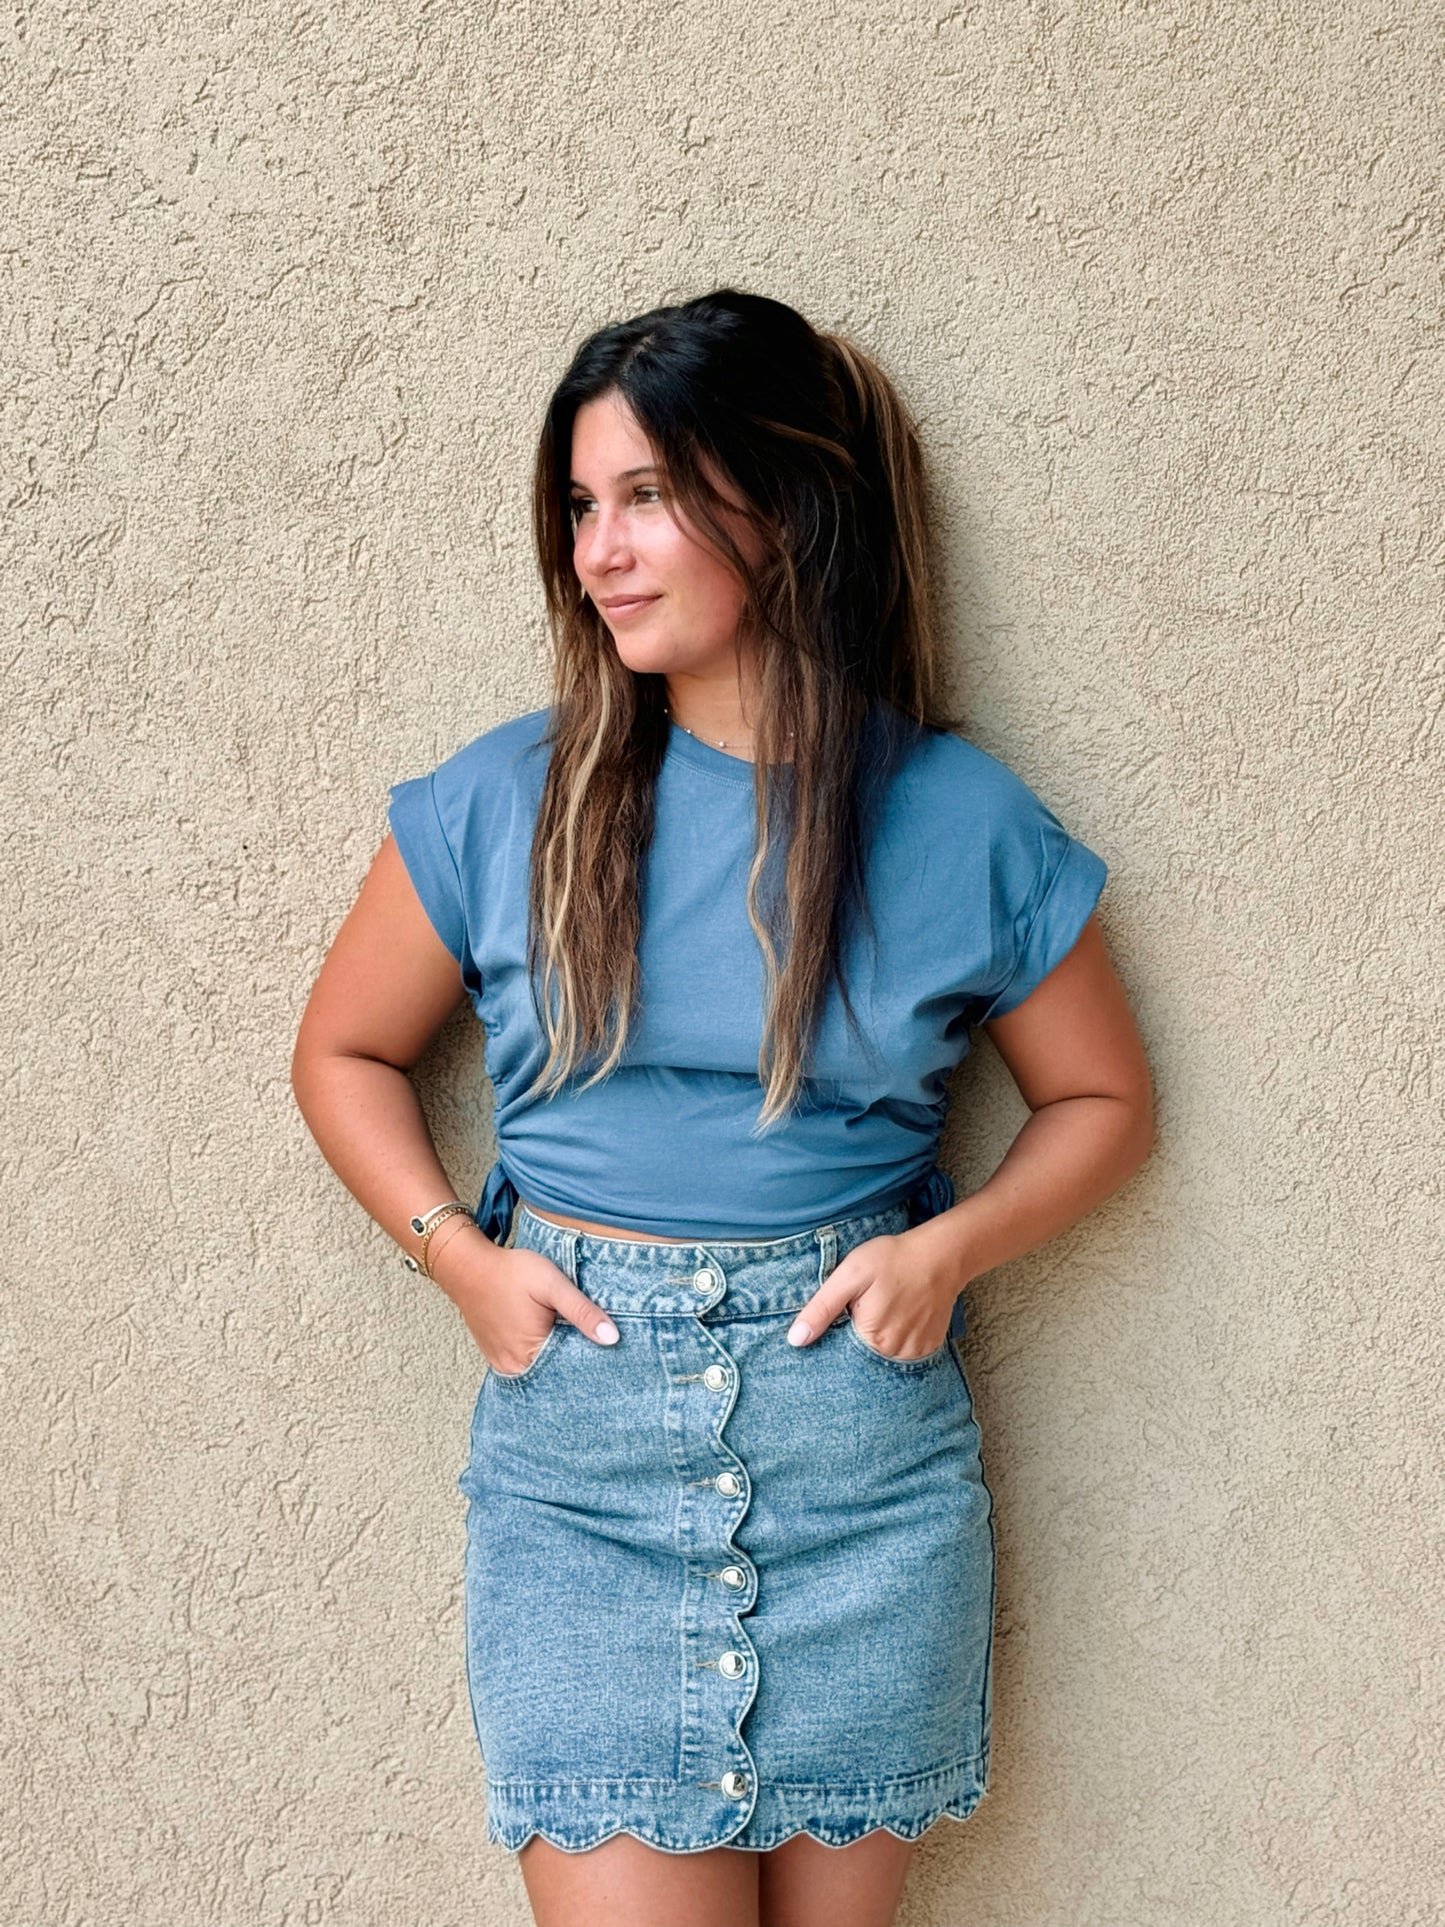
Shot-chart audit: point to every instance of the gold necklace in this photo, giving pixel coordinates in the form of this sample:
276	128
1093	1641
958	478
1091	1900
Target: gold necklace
722	742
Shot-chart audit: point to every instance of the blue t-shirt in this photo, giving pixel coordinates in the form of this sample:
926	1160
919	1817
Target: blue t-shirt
976	891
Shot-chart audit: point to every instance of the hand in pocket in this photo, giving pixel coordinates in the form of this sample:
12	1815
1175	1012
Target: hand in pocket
511	1312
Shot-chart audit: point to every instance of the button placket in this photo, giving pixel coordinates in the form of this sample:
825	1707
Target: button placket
717	1515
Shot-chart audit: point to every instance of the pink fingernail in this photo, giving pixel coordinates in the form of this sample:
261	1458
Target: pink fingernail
607	1332
799	1332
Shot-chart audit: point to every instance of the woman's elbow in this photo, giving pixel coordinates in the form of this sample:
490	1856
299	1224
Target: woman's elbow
1143	1129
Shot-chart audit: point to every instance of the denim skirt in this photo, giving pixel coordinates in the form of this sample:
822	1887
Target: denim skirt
721	1590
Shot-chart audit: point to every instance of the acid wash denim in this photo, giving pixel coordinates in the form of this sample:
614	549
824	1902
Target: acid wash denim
721	1590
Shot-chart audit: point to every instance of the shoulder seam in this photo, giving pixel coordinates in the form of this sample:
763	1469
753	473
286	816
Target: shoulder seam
431	789
1048	889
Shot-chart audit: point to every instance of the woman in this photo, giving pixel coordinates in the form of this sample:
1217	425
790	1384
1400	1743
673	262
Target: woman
728	909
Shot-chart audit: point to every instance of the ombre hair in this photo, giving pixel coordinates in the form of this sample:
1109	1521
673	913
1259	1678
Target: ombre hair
810	434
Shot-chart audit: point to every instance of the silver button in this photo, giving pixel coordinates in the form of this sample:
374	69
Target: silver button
733	1577
702	1281
728	1483
715	1377
735	1785
732	1664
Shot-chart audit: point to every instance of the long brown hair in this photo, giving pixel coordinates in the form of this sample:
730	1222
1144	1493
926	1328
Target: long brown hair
810	433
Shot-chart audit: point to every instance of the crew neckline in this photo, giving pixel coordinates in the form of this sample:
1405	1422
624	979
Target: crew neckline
691	749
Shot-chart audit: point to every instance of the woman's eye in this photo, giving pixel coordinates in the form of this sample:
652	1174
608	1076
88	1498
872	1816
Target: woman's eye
580	504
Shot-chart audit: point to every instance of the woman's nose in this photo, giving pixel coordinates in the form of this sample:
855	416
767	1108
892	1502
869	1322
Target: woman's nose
608	541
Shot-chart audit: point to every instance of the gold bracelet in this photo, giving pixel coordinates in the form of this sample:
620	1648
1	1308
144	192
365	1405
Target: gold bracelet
426	1224
438	1217
420	1224
441	1248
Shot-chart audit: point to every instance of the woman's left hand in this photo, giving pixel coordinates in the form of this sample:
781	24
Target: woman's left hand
902	1304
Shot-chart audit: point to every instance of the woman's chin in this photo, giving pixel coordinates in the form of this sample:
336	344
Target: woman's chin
648	659
657	656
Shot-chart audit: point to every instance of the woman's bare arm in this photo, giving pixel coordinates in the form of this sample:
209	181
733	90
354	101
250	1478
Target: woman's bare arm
386	988
1075	1054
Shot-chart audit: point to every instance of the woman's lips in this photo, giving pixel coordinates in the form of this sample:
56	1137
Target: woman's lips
618	610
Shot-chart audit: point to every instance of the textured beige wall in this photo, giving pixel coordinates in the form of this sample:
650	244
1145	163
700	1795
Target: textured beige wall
284	290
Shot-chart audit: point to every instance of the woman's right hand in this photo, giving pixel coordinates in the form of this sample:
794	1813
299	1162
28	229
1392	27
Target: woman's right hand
510	1298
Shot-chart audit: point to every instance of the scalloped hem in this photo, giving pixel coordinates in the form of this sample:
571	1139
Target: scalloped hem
674	1817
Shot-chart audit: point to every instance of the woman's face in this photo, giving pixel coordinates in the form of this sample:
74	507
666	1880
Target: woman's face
671	603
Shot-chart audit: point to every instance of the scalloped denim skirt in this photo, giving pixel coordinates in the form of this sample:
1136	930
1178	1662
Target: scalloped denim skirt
720	1590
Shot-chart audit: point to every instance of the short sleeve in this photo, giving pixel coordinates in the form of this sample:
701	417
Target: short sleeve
416	825
1044	885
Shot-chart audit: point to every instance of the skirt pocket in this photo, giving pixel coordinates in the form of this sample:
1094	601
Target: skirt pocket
549	1345
923	1364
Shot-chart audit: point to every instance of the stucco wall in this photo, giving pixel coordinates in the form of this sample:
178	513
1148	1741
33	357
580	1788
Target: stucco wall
284	290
